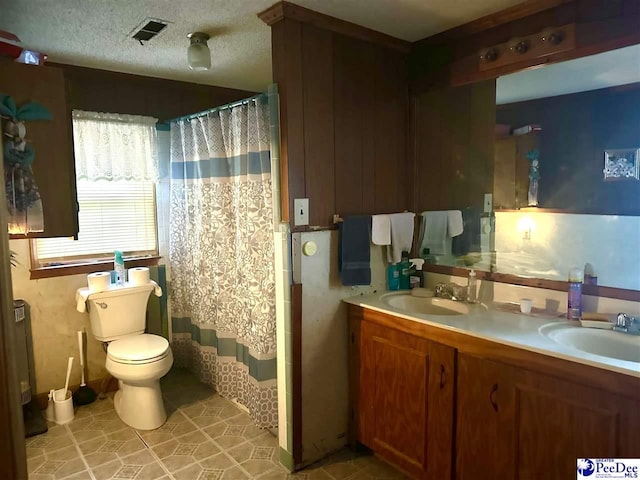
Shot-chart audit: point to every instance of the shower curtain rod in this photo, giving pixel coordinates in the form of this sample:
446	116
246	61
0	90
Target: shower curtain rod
244	101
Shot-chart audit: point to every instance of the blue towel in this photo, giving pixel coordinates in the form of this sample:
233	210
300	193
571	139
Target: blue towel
354	250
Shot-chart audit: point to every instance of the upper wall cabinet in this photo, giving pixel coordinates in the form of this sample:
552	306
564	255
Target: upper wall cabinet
39	174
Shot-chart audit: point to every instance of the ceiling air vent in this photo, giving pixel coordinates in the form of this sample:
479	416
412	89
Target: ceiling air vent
148	29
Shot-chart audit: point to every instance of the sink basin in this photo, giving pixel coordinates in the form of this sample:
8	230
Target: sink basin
606	343
425	306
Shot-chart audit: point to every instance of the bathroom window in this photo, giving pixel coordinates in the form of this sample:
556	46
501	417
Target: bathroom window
116	160
117	215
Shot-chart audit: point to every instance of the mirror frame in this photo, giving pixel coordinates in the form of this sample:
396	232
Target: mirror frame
452	58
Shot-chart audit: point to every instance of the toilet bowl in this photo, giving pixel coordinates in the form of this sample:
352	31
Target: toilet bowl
138	362
137	359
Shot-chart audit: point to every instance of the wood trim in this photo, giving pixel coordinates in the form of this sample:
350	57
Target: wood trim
579	373
282	10
559	285
86	268
296	371
13	460
493	20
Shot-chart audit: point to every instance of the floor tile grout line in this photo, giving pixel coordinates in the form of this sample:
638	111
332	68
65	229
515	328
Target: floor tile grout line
77	445
153	454
222	449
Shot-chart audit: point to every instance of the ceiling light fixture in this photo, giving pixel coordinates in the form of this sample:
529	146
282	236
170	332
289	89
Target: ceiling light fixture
198	54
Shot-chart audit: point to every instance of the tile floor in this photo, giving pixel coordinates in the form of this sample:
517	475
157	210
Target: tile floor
205	437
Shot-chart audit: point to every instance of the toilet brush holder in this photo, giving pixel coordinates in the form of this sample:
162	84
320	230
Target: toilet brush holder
63	406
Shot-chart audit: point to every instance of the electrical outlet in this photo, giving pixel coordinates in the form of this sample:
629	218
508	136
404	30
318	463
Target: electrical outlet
301	212
488	202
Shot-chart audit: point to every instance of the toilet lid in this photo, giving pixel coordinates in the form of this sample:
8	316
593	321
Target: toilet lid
138	347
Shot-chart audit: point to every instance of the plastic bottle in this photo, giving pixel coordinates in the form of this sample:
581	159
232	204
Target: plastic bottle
590	277
472	287
574	297
417	277
393	277
405	271
118	266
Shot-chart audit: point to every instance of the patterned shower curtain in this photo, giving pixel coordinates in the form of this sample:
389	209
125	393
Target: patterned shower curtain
222	254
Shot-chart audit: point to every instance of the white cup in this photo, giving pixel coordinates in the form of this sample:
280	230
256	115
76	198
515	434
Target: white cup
63	406
525	305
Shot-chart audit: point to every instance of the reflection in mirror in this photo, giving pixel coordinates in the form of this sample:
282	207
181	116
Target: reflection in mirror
565	190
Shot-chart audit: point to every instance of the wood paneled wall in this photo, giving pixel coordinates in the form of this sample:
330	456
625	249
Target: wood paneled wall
454	145
452	57
344	119
113	92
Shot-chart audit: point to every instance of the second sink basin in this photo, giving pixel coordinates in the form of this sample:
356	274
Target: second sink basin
425	306
606	343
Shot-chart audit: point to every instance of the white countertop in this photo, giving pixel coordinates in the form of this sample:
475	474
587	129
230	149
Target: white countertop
512	329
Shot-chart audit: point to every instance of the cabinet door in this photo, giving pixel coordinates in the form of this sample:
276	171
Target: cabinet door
484	429
406	382
53	166
440	402
556	422
513	423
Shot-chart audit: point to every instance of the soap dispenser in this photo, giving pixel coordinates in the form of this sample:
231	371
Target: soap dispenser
472	287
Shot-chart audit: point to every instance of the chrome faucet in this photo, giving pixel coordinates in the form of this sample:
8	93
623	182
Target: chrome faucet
627	324
451	291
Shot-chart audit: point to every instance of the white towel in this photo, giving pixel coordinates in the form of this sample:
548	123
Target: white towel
455	226
401	235
380	229
437	227
82	294
157	289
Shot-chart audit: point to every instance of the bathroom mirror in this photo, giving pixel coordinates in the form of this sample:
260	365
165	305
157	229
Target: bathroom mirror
571	131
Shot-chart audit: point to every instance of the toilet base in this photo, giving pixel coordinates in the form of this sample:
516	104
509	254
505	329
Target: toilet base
140	406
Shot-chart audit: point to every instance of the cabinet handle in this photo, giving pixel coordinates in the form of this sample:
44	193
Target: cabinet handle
442	377
492	396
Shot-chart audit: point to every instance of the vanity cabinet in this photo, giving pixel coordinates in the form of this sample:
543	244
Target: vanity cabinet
53	166
513	423
404	394
518	414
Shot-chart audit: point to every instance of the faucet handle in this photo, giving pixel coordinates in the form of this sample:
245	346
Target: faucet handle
626	320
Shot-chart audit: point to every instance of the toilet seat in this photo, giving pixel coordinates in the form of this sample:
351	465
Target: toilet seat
138	349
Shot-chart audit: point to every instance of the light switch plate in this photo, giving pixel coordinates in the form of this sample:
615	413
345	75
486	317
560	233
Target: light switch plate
301	211
488	202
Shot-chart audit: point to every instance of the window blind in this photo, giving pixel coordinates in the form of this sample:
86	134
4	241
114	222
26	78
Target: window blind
114	215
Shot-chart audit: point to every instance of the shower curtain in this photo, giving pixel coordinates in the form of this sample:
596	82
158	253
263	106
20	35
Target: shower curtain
222	254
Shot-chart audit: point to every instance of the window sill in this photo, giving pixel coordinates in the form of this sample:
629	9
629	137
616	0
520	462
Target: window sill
86	268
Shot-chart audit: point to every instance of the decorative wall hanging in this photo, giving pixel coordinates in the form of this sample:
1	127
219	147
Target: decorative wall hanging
23	198
534	177
622	164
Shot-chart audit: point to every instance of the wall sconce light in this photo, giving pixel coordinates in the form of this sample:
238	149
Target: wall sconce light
198	54
526	226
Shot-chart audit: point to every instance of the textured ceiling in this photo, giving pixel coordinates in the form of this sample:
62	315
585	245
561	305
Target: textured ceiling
93	33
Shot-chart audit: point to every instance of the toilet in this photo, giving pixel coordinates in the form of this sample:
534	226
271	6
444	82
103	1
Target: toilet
137	359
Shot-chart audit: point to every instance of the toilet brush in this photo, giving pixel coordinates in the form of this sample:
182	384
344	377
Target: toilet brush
85	394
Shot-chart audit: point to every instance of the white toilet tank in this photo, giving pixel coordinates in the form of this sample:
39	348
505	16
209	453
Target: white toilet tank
119	311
